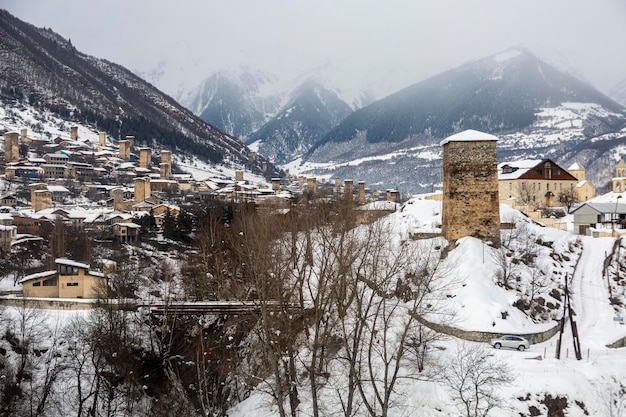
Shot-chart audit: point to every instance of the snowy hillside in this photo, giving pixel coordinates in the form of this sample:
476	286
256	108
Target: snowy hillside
473	301
45	125
560	133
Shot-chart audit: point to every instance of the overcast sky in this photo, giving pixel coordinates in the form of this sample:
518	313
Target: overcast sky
414	38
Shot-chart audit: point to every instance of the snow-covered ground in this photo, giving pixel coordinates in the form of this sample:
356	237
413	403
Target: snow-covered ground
478	302
595	381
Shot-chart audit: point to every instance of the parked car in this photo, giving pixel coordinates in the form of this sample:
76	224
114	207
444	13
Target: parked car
510	341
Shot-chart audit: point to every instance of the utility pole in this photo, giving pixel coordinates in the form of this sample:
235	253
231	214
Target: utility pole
567	311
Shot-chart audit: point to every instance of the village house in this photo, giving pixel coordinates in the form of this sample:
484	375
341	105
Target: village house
71	279
600	219
533	183
8	200
126	232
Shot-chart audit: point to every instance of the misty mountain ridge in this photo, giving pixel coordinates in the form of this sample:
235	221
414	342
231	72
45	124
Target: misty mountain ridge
310	114
535	110
44	70
281	119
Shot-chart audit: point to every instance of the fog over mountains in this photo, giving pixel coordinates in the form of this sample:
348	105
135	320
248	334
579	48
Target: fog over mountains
326	123
535	108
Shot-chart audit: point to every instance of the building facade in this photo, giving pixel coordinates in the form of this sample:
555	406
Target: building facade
470	203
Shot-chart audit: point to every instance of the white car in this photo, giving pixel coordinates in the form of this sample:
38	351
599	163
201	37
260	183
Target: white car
510	341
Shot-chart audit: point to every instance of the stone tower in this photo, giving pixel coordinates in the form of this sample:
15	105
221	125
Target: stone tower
74	132
102	138
124	150
145	158
361	192
118	198
11	147
166	158
347	190
311	184
470	187
142	189
578	171
40	197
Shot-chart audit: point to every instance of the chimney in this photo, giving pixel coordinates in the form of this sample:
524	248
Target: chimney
238	176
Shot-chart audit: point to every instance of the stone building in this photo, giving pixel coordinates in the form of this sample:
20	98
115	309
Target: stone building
40	196
470	203
11	147
361	185
534	182
145	158
619	180
585	190
348	190
166	164
125	147
142	189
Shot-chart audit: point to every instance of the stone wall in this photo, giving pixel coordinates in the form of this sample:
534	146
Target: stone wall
476	336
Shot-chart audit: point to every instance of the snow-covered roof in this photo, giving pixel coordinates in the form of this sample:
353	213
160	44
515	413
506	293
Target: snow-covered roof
58	189
519	168
604	207
129	225
69	262
37	276
469	136
575	167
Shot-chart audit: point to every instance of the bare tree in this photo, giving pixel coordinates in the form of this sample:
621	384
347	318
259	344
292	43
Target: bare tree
472	377
568	198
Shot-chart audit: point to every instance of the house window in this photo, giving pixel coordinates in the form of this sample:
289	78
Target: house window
36	284
52	282
548	170
72	284
548	186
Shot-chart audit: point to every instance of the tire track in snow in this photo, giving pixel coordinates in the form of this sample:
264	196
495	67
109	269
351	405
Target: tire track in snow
590	296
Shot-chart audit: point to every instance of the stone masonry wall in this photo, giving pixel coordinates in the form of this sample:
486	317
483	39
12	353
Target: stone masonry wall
470	191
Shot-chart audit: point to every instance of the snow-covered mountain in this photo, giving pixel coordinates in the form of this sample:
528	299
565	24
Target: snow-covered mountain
44	70
281	117
536	110
237	103
618	93
311	112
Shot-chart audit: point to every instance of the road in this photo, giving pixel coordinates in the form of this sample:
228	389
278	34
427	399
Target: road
590	297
